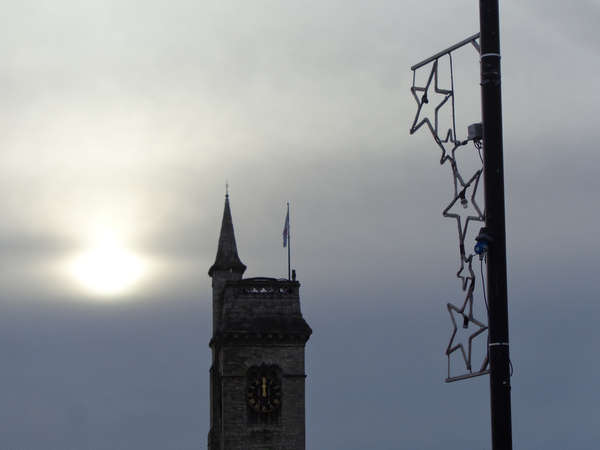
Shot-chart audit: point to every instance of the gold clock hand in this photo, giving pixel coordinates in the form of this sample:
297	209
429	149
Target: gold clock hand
264	386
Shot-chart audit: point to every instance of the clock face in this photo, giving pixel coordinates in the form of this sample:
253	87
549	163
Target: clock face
264	395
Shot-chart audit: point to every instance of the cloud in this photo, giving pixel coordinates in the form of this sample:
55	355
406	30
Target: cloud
131	117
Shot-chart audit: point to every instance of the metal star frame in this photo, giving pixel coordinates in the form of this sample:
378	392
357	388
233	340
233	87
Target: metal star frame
466	279
466	312
465	193
424	99
461	196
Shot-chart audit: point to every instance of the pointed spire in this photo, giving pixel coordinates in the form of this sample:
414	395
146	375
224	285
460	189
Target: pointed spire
227	255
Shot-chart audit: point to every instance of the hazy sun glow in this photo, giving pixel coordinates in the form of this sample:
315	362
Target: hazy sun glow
108	269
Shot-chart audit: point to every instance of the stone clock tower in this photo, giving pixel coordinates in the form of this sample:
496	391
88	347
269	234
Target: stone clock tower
257	373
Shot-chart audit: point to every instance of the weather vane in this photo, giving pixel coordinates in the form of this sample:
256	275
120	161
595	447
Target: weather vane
465	192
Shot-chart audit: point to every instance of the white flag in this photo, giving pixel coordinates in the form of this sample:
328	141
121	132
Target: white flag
286	229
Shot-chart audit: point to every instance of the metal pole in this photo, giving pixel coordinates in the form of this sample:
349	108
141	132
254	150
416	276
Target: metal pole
497	295
289	246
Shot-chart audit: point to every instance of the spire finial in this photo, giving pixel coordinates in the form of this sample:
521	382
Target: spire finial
226	189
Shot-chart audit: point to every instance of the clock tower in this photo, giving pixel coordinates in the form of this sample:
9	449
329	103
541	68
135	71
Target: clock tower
257	373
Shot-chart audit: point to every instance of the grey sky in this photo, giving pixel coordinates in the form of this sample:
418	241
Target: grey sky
128	117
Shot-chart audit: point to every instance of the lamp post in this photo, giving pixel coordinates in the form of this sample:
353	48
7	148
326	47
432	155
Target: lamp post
497	295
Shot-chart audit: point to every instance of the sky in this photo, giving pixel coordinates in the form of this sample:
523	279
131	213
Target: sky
122	121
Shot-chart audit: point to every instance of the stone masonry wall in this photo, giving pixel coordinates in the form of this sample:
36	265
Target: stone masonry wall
261	325
238	432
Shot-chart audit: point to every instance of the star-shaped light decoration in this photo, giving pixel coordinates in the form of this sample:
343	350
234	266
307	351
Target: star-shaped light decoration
466	315
450	156
465	190
461	191
421	96
466	273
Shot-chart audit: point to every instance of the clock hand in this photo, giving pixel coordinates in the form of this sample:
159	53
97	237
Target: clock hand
264	386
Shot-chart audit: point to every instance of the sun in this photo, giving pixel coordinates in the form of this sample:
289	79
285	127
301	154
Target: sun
108	270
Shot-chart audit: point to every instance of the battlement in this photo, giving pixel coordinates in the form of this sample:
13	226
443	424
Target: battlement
263	287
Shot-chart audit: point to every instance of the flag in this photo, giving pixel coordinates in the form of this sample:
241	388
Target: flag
286	229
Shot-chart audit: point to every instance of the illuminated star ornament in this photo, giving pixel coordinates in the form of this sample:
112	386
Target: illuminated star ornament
463	207
461	195
466	316
421	96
